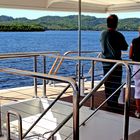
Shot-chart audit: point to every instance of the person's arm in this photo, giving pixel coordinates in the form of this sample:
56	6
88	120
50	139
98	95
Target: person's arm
124	45
131	52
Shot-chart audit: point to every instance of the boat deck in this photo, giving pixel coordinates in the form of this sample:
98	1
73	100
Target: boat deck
22	93
15	95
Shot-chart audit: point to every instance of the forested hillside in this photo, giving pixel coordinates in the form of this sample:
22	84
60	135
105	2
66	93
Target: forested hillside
63	23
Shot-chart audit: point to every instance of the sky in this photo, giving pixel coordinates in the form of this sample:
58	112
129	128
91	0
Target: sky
33	14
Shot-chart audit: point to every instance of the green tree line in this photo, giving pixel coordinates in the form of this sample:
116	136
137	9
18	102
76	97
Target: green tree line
21	27
63	23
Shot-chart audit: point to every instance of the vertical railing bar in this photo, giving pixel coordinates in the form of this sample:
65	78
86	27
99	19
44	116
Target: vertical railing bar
8	127
76	115
20	126
44	80
127	103
92	85
0	122
35	79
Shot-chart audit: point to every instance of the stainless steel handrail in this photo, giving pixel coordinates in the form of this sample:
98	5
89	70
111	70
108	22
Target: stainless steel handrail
69	80
127	96
19	124
46	110
67	53
94	59
124	62
28	55
25	54
58	62
126	116
81	58
73	52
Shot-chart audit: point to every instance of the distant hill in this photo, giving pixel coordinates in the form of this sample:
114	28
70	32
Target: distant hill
63	23
6	18
18	24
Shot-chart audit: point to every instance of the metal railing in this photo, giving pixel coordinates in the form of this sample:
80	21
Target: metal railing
33	55
127	95
10	112
75	97
71	82
58	62
127	102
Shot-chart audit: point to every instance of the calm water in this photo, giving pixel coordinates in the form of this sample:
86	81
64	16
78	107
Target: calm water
61	41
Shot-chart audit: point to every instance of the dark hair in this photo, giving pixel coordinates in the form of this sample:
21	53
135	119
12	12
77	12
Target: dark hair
112	21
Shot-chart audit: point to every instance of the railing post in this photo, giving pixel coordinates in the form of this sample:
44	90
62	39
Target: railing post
0	123
44	80
127	103
92	85
35	79
76	115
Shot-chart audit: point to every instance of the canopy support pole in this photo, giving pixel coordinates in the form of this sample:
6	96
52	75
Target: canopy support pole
76	116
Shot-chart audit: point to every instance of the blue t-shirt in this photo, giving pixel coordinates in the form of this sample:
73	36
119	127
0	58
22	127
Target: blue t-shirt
112	42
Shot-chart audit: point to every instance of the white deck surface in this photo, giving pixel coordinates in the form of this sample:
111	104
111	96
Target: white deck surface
103	126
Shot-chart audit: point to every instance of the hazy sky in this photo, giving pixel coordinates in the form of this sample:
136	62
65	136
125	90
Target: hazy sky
33	14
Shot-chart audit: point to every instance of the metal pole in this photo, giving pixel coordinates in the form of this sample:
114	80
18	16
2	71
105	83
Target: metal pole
0	122
79	45
127	104
35	79
76	102
44	81
92	85
8	127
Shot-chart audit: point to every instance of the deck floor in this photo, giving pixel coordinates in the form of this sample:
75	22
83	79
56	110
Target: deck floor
15	95
22	93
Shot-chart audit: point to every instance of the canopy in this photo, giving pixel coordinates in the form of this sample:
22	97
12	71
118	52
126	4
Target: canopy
94	6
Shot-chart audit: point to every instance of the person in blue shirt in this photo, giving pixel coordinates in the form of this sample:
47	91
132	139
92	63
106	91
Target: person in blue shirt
112	43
